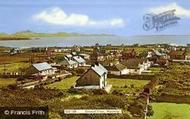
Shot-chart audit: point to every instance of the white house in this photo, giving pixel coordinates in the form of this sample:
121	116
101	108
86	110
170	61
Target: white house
69	63
79	60
117	69
94	78
136	65
41	69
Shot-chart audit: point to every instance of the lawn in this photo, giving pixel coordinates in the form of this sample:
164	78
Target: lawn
13	67
6	82
170	111
155	69
128	86
64	84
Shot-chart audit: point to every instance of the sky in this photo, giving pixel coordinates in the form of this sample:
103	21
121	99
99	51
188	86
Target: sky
118	17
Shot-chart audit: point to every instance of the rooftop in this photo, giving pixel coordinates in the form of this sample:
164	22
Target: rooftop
116	67
79	59
99	69
42	66
132	63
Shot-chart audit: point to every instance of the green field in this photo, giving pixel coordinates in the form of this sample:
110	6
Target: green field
170	111
64	84
127	85
13	67
124	85
6	82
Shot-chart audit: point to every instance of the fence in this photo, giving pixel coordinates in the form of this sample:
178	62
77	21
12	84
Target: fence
10	75
139	77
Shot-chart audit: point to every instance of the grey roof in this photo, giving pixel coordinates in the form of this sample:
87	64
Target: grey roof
42	66
79	59
69	61
69	56
99	69
158	53
116	67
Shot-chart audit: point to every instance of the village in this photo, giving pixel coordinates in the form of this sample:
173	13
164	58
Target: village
127	71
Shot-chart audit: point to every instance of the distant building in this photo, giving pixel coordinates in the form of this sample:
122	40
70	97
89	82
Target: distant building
128	54
15	51
117	69
179	55
97	55
69	63
85	56
94	78
136	65
41	69
158	58
79	60
76	48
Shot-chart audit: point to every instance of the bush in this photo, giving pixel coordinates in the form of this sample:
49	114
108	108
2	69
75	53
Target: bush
80	71
150	111
12	87
117	92
99	92
21	78
115	101
80	91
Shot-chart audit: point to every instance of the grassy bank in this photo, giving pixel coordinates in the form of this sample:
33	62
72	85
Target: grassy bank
127	85
170	111
64	84
6	82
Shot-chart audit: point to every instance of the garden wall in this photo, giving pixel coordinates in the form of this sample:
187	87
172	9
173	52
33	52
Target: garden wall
139	77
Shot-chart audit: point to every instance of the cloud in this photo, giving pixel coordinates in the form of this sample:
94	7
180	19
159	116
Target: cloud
58	17
180	11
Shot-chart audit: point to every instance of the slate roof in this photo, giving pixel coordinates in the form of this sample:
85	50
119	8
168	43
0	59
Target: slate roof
157	53
69	56
79	59
99	69
116	67
69	61
42	66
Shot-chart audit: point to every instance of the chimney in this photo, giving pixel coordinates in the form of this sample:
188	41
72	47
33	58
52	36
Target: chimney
96	63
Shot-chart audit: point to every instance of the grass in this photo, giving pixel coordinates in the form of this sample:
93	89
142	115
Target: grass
128	86
170	111
13	67
64	84
6	82
155	69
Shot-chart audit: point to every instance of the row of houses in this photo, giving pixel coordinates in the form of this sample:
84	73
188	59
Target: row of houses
96	76
127	65
72	61
130	66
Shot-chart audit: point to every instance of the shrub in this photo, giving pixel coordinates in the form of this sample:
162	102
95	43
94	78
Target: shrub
117	92
99	92
150	111
12	87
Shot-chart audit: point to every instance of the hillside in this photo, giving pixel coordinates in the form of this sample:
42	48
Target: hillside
24	35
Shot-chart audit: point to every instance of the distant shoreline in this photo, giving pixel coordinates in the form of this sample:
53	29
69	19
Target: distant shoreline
13	38
42	37
29	35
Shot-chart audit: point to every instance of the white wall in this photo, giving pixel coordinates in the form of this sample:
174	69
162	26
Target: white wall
125	71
